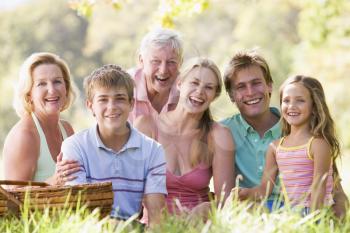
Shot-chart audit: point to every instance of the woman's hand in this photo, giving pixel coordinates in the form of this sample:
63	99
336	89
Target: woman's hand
200	211
65	170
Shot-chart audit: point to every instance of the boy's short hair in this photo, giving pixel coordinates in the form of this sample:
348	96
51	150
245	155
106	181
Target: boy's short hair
108	76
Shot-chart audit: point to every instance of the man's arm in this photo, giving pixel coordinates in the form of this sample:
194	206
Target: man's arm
267	180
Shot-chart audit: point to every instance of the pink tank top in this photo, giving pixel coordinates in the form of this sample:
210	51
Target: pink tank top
296	168
190	189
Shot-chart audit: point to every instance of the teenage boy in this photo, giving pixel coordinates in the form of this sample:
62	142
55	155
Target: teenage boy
248	82
114	151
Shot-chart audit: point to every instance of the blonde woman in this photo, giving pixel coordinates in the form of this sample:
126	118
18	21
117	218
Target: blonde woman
32	147
197	148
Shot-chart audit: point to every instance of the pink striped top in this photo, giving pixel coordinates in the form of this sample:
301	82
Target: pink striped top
296	168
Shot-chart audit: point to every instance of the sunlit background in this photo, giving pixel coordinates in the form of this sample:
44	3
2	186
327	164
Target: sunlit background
310	37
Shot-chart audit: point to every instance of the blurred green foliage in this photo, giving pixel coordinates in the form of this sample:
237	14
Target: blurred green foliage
309	37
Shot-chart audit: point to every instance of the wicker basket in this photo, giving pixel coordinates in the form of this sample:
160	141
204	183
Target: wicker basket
8	203
97	195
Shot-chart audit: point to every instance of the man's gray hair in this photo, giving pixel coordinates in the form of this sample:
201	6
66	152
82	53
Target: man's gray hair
162	37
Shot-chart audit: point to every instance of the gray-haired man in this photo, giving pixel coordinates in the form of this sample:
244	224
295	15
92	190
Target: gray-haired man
160	57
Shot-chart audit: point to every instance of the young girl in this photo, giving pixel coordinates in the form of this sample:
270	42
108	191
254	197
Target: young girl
305	154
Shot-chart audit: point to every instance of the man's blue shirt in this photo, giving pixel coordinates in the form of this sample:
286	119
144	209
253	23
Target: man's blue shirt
251	149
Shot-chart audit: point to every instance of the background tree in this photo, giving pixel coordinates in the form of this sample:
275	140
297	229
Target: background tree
296	36
38	26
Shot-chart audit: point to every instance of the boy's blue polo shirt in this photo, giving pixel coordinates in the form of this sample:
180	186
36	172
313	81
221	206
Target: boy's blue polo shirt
251	149
137	169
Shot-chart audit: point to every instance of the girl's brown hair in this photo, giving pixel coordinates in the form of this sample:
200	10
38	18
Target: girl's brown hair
321	122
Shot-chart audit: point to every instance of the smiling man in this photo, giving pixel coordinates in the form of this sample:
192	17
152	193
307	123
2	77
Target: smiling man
249	84
160	58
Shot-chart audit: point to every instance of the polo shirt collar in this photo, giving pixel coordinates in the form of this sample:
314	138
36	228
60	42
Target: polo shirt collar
275	130
141	90
134	140
244	124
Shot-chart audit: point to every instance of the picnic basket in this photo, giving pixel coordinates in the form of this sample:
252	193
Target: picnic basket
96	195
8	203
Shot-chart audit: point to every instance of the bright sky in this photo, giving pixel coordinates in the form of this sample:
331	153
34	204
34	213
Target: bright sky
7	4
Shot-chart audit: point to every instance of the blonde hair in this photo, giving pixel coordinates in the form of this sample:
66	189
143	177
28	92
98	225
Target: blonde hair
22	102
108	76
321	122
201	150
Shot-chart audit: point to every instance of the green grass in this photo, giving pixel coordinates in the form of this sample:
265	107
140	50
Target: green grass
234	217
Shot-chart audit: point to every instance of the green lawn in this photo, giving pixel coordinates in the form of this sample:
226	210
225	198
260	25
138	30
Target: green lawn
234	217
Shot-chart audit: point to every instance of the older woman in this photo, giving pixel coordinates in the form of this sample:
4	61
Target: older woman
32	147
197	148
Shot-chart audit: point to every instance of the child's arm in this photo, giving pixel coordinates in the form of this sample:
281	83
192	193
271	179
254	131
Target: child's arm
267	180
321	153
